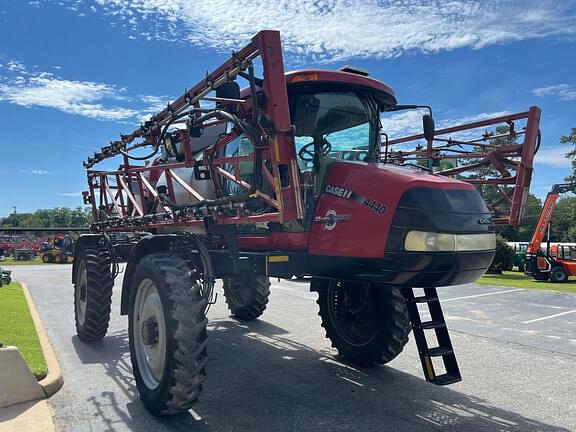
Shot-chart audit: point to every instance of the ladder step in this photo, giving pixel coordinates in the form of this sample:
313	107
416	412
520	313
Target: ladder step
440	352
425	299
444	350
447	379
427	325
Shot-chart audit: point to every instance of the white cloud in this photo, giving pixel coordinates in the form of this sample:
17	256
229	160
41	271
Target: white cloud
334	30
74	97
406	123
402	123
442	124
554	156
83	147
14	66
566	92
69	194
40	172
90	99
154	105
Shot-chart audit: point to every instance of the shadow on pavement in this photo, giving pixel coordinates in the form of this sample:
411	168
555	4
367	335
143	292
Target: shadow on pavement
259	380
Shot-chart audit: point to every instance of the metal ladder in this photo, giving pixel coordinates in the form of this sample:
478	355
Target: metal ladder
438	324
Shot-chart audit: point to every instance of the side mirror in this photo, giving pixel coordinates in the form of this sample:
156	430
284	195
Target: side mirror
428	126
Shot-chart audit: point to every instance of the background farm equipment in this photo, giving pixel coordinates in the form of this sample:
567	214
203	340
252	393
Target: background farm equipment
59	251
23	254
5	277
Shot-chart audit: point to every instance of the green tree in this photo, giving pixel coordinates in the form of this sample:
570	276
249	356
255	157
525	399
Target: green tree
562	225
524	231
571	140
504	257
56	217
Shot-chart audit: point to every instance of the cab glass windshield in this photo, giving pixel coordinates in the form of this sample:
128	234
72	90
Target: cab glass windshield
343	125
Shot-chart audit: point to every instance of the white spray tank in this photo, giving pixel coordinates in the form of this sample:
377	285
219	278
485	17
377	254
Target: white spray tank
204	187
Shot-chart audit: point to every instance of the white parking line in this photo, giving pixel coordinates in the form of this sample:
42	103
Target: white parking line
482	295
548	317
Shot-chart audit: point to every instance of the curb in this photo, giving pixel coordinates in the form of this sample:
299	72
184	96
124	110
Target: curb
54	380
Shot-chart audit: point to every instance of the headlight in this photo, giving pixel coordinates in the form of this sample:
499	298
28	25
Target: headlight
420	241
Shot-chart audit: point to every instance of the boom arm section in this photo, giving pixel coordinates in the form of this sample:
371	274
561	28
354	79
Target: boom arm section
258	118
496	155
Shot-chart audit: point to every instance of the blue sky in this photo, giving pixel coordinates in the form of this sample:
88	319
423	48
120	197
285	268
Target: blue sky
75	74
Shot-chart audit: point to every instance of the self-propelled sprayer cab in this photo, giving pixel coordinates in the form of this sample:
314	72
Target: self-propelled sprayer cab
338	109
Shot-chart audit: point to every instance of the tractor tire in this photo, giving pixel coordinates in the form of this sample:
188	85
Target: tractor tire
46	258
92	294
58	259
368	324
521	268
247	295
558	274
167	333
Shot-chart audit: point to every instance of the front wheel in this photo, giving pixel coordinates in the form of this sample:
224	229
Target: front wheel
167	333
46	258
368	324
558	274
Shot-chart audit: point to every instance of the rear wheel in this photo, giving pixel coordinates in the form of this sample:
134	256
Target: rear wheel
366	323
247	295
92	294
558	274
58	259
46	258
167	333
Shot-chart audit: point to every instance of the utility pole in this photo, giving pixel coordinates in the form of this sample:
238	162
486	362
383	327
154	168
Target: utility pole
14	220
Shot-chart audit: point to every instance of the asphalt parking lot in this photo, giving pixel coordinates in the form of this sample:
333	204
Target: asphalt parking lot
516	348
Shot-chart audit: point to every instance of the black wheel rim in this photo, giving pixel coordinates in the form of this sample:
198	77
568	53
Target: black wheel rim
354	311
81	293
237	292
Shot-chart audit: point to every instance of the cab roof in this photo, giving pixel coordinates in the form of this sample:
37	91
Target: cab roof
327	76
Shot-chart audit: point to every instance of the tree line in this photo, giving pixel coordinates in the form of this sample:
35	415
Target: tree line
562	225
56	217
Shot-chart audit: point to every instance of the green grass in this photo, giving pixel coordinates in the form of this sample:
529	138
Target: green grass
17	328
11	262
517	279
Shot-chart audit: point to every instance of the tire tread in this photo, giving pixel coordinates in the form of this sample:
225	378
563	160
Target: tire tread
392	336
189	357
259	296
99	295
